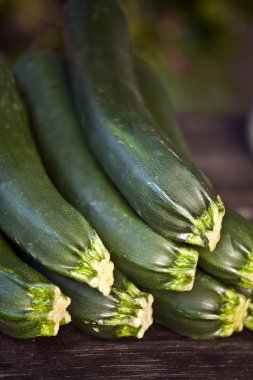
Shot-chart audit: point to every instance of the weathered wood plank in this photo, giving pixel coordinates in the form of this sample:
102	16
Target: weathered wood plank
160	355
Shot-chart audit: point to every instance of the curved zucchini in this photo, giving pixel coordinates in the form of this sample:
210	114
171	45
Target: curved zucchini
167	191
144	256
30	306
210	310
233	259
33	213
126	311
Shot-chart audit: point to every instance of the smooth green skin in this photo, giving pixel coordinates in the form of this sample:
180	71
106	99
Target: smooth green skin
23	314
157	99
196	314
232	260
32	212
163	188
143	255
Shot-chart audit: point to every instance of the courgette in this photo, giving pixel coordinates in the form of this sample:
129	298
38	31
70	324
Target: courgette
210	310
233	259
166	190
33	213
30	306
126	311
145	257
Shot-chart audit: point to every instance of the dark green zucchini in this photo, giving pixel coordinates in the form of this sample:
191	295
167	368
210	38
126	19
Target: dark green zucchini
33	213
210	310
166	190
30	306
126	311
233	259
144	256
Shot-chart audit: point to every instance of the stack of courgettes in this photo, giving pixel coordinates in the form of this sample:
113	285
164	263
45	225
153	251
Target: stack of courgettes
109	157
59	242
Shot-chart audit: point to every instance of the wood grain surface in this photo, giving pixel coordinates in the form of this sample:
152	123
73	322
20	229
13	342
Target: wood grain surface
219	148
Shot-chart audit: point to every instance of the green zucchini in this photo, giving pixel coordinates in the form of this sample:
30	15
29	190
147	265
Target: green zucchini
210	310
126	311
33	213
30	306
145	257
166	190
233	259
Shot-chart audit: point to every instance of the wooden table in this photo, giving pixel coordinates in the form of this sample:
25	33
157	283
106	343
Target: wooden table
219	148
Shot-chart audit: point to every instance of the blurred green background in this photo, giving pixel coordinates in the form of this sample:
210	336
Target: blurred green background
202	48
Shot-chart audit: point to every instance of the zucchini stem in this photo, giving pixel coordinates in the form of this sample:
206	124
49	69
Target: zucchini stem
144	317
234	312
59	315
133	313
183	270
96	268
207	228
249	318
48	305
246	273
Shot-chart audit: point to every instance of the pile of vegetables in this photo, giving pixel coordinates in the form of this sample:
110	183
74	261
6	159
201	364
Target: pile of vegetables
101	201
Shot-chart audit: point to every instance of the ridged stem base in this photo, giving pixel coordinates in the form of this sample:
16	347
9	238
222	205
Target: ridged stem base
206	231
96	269
233	312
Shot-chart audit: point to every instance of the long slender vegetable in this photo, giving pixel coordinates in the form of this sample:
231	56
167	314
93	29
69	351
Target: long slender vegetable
126	311
208	311
233	259
30	306
144	256
167	191
33	213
